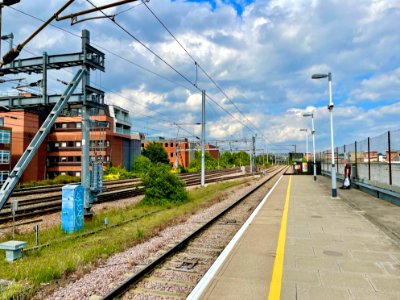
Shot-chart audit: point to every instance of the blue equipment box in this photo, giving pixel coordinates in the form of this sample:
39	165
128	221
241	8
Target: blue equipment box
72	211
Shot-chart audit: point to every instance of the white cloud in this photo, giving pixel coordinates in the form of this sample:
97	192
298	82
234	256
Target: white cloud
262	59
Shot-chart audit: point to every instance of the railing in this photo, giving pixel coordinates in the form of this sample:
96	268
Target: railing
374	161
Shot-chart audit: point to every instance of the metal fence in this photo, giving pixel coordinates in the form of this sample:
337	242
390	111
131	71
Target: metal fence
374	161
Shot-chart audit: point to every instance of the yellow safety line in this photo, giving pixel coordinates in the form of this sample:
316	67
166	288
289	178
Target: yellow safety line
276	280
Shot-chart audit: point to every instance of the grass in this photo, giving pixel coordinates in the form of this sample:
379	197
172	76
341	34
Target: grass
78	251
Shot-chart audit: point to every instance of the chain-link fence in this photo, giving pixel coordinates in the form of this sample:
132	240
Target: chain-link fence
374	161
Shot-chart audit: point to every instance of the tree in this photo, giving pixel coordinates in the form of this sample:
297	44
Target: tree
162	187
227	160
141	164
156	153
209	161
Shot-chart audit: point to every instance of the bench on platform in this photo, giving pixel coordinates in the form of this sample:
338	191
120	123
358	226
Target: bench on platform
13	249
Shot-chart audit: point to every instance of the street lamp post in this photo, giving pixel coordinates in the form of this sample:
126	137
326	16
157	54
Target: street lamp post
306	131
313	141
330	107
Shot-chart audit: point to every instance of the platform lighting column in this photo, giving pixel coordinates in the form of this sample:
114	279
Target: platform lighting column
330	108
313	141
306	131
203	135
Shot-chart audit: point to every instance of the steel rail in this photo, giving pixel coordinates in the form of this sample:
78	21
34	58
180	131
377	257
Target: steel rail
53	203
124	286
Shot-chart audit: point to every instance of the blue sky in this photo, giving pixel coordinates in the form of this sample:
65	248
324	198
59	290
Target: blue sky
261	53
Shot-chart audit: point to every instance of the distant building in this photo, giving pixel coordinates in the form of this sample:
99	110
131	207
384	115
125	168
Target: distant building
213	150
61	153
394	155
5	151
182	151
178	151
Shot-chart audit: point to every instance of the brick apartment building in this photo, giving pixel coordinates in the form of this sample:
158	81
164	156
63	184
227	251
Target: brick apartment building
181	151
5	151
60	154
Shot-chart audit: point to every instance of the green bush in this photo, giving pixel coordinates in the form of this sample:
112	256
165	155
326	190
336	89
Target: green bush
141	165
163	187
117	173
60	179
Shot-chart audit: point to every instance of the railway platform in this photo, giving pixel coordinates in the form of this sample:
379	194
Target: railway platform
302	244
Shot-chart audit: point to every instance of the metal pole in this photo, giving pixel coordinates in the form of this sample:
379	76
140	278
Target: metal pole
306	144
1	19
369	160
390	160
356	168
176	155
333	170
203	135
85	175
44	80
313	143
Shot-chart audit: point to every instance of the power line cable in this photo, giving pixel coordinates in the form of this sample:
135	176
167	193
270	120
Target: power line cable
159	57
197	64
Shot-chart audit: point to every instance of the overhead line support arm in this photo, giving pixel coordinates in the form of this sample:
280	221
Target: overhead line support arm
88	11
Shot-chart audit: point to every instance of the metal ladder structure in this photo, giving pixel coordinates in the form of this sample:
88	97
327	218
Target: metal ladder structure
37	140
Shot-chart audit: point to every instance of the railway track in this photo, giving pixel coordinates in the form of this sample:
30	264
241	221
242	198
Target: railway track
176	271
48	202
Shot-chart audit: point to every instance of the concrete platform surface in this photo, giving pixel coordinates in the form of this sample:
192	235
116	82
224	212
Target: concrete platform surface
340	248
343	248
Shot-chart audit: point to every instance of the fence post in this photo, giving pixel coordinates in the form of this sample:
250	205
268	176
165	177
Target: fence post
337	160
369	161
355	154
390	159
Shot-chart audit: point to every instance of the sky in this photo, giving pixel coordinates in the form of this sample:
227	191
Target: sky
260	56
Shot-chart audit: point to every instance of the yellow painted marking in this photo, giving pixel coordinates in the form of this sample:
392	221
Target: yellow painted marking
276	280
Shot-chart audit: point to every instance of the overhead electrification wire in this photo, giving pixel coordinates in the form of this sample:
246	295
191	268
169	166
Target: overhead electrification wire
159	57
105	49
197	64
137	65
143	44
128	9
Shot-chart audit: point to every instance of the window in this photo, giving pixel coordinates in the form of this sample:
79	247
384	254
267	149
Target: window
3	176
4	157
78	144
1	121
64	125
5	136
79	125
171	154
78	174
107	158
63	173
78	159
172	144
107	143
63	159
63	144
166	144
56	145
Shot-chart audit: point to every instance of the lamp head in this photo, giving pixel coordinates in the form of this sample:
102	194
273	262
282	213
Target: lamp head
308	115
304	129
319	76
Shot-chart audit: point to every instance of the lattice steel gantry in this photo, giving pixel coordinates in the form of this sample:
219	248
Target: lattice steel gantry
89	58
